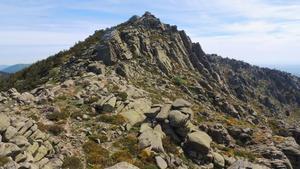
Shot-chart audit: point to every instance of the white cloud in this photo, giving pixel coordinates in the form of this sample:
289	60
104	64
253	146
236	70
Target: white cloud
256	31
251	27
262	9
253	49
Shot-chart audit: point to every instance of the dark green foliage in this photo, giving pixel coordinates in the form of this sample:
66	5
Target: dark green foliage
106	108
15	68
41	71
122	95
34	75
179	81
150	166
56	116
72	163
112	119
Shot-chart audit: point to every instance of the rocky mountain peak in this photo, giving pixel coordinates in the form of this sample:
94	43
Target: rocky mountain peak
142	94
147	38
147	20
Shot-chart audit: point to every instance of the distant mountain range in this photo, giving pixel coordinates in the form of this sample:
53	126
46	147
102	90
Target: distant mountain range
293	69
3	66
13	68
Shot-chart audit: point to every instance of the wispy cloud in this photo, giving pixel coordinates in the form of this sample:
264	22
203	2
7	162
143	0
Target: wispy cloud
257	31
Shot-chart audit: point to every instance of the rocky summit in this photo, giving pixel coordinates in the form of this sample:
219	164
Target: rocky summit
143	95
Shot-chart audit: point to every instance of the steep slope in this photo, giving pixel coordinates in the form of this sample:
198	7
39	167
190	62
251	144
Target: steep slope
144	47
143	93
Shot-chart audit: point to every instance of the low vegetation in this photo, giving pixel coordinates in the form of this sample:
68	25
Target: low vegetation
44	70
179	81
122	95
96	156
56	116
100	136
55	129
122	155
111	119
72	163
235	152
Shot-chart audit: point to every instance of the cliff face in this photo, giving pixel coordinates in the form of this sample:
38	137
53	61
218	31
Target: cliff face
144	46
143	93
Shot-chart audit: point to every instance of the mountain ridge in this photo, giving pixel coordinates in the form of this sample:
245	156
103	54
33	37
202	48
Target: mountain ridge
14	68
143	93
3	66
293	69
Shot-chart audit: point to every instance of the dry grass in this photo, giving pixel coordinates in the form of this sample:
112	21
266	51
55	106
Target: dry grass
54	129
96	155
72	163
112	119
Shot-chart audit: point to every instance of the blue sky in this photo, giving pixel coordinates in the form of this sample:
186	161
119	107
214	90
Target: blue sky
264	32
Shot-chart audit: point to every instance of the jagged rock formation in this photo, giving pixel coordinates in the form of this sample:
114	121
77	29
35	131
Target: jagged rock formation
23	145
142	94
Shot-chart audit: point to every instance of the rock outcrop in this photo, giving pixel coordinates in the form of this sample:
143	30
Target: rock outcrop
25	146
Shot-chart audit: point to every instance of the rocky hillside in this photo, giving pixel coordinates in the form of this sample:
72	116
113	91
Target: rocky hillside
143	95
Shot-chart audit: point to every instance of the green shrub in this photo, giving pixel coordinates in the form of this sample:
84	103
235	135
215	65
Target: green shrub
129	143
122	95
34	117
179	81
112	119
150	166
54	73
56	116
76	114
72	163
61	97
107	108
92	99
